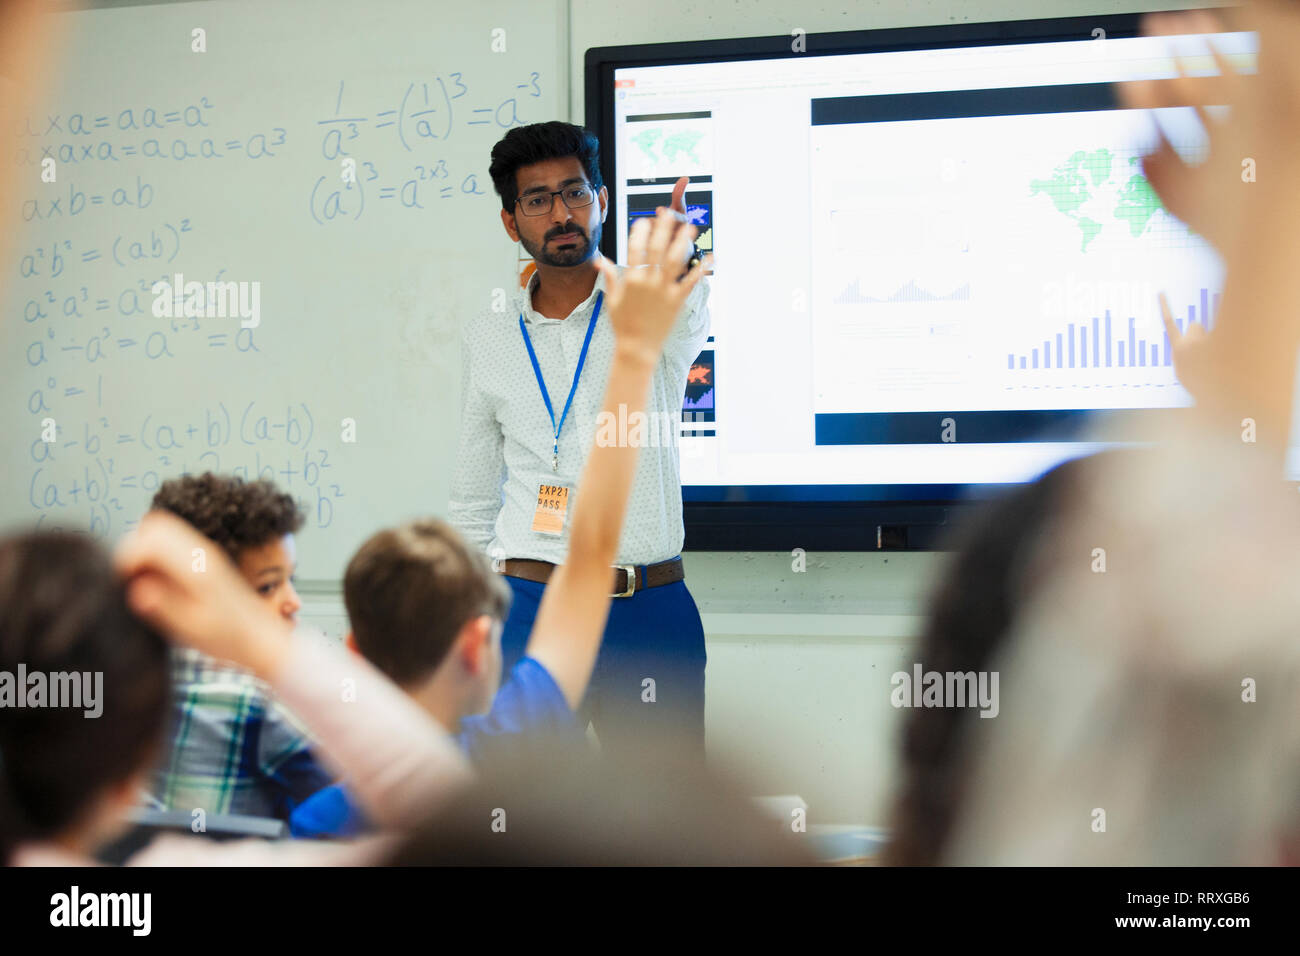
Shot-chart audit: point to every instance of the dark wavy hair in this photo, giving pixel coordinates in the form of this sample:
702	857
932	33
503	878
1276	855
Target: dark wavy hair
234	513
526	145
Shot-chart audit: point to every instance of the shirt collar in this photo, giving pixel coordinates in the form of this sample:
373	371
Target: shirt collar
533	317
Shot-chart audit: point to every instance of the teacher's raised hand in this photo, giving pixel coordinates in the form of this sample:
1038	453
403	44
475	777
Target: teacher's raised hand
646	299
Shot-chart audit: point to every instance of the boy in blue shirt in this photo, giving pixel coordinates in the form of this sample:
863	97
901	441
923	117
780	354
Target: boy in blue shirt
427	611
426	608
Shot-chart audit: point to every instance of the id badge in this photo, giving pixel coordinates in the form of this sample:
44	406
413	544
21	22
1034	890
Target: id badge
552	507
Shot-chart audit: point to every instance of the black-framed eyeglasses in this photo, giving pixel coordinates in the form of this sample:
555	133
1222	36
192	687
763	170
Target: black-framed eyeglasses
539	204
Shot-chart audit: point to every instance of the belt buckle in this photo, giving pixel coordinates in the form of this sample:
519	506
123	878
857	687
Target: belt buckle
631	580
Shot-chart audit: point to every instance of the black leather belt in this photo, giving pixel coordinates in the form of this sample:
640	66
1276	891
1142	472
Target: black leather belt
628	578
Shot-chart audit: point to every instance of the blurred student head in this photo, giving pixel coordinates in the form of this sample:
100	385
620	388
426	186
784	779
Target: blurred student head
427	610
253	521
67	777
1150	679
557	806
972	607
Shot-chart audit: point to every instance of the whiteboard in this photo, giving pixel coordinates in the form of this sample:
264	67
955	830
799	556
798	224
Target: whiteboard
230	166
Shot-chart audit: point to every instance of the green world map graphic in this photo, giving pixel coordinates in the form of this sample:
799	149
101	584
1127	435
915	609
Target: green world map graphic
1098	190
669	147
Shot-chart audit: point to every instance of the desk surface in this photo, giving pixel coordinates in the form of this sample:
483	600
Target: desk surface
847	843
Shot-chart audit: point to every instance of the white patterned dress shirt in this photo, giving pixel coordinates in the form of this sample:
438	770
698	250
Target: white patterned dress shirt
506	436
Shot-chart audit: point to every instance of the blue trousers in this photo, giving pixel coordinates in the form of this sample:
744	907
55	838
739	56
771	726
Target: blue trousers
648	685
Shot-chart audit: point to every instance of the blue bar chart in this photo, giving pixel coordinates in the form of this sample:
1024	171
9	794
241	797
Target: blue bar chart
1108	341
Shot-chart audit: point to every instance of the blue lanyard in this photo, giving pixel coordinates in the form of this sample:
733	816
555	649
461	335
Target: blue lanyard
541	383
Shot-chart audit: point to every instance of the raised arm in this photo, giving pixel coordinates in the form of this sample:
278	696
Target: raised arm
643	305
1242	197
400	762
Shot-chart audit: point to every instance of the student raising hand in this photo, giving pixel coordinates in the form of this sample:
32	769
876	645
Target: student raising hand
643	304
1209	196
645	301
399	760
1243	199
1247	148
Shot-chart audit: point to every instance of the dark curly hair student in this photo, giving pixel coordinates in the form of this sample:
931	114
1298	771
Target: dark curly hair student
253	522
234	513
235	750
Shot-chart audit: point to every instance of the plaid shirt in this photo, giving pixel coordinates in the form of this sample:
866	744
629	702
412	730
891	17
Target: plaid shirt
233	749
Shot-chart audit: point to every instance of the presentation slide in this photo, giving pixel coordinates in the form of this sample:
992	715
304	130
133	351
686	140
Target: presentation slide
932	266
